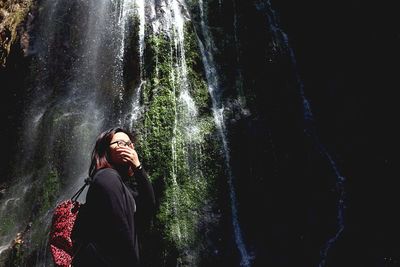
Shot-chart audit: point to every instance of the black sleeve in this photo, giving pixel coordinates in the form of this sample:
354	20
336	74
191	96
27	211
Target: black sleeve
144	197
108	195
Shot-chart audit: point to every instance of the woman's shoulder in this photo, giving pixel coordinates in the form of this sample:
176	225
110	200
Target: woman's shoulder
106	176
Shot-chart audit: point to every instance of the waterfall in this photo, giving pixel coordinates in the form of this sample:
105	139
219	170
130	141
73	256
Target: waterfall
65	113
131	10
136	108
218	112
80	89
125	14
310	131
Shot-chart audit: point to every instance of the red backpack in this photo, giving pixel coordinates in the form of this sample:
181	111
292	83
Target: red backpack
64	216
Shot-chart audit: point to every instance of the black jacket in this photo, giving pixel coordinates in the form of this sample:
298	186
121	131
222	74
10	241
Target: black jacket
106	230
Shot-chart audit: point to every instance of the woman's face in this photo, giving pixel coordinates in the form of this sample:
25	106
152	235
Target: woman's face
118	143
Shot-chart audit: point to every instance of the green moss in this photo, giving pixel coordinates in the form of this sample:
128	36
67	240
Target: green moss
30	219
159	129
6	225
41	195
49	191
180	210
196	76
180	149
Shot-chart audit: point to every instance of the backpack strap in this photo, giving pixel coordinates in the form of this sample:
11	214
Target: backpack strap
88	180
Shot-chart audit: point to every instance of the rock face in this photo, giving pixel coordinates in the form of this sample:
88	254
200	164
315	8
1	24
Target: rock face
13	16
16	22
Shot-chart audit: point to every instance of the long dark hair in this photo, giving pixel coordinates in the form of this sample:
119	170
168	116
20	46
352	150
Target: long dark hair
101	151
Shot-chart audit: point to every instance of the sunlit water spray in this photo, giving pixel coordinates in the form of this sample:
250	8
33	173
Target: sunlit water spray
64	112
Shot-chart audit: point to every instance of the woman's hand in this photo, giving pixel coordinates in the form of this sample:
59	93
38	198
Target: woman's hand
129	155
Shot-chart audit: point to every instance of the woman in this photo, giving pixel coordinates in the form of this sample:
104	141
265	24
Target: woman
106	230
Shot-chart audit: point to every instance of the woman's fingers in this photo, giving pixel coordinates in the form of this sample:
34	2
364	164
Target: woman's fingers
129	155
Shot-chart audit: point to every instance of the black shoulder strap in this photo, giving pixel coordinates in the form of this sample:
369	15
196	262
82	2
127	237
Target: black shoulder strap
77	194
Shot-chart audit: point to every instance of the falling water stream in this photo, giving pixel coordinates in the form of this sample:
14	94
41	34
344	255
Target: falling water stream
129	10
218	112
310	130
